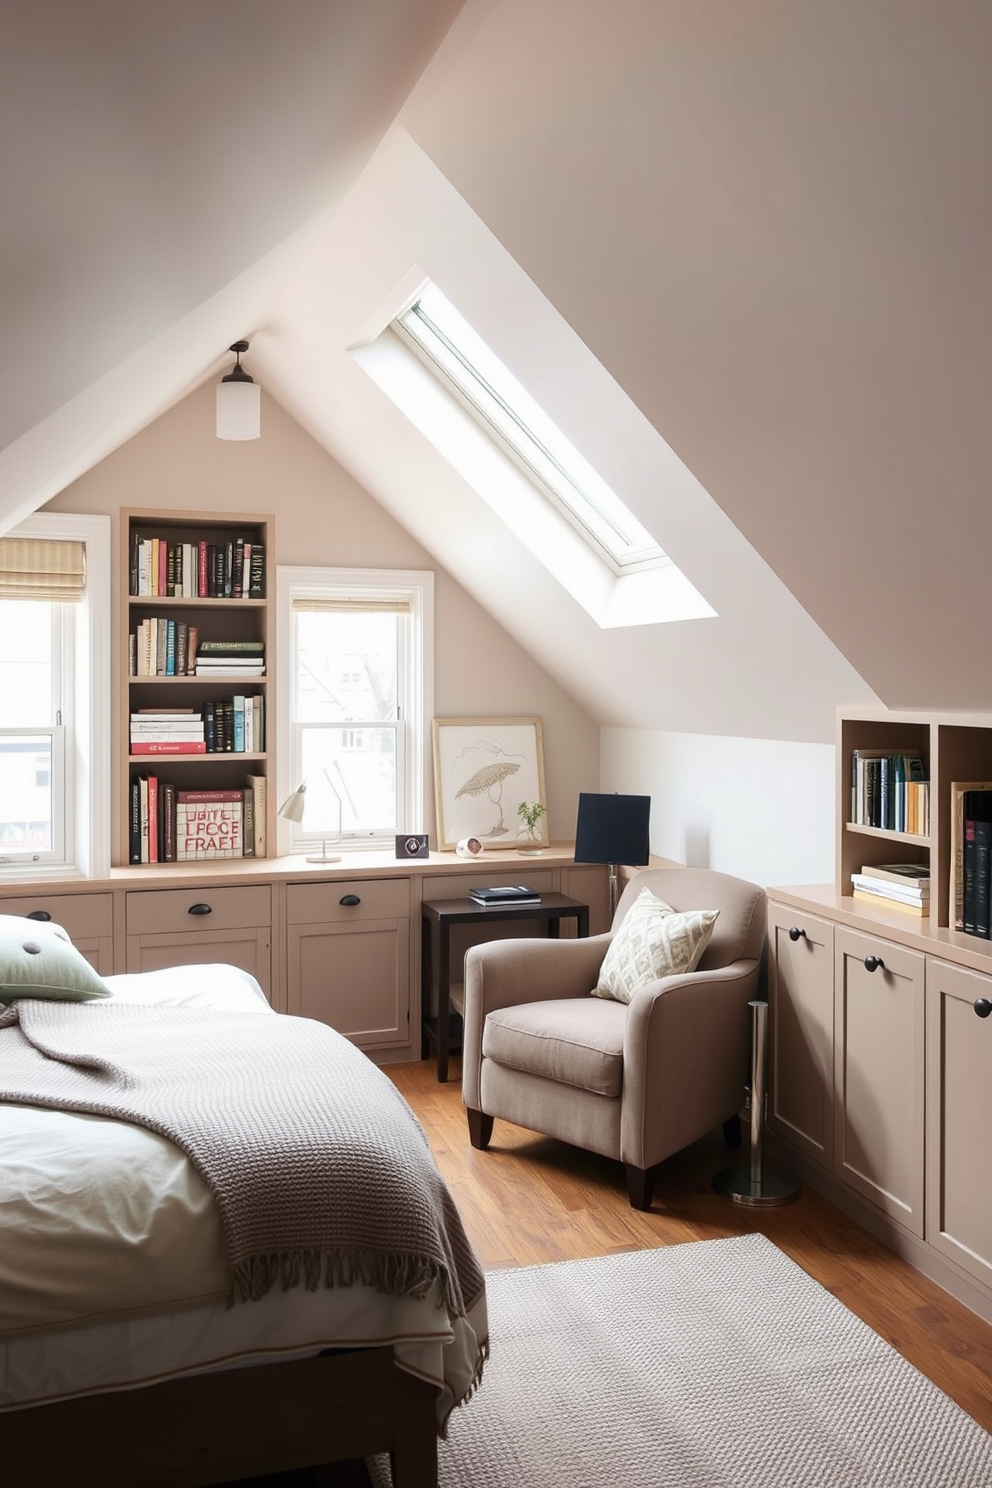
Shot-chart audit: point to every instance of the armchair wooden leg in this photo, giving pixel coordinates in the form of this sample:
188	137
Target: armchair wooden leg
480	1128
732	1134
640	1186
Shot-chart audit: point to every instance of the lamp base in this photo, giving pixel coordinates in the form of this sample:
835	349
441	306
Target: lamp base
325	858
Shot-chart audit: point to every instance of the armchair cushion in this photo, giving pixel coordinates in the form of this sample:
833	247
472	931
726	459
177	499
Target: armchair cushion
653	940
573	1041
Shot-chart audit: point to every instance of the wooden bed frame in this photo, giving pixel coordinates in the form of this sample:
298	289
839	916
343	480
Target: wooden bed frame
239	1423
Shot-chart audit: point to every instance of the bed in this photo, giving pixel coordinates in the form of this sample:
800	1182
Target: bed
131	1349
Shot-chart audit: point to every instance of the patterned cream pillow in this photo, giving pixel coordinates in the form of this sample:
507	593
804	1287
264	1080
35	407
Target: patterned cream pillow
653	941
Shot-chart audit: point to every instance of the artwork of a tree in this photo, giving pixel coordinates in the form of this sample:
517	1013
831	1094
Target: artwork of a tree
489	782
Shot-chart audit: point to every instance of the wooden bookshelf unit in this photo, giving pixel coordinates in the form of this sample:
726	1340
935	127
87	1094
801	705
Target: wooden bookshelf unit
241	616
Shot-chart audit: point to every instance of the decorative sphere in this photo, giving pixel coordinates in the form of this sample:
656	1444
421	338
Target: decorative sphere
469	847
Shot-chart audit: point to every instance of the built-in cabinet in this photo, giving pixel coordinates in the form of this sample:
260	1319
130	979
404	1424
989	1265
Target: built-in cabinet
340	944
880	1027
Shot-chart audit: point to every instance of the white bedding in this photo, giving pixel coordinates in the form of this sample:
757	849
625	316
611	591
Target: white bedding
112	1267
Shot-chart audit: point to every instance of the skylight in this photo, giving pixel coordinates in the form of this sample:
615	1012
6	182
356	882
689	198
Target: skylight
458	355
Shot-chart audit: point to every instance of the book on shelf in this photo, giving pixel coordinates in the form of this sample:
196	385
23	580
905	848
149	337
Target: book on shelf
134	843
977	807
959	791
234	647
256	785
209	825
899	873
167	815
922	910
885	889
505	894
168	746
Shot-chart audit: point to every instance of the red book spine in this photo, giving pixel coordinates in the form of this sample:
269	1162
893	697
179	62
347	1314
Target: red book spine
153	818
201	586
170	746
163	567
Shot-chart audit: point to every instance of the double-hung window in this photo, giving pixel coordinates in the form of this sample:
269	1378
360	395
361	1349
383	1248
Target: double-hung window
54	769
355	651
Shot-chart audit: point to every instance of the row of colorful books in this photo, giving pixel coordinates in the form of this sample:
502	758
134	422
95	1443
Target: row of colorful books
904	885
890	791
160	647
233	725
197	570
169	825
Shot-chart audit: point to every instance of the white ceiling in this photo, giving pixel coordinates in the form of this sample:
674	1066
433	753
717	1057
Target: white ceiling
760	231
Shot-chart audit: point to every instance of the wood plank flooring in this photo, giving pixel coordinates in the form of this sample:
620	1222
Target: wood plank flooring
529	1200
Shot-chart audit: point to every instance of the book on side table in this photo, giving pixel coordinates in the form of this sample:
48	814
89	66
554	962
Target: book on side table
505	894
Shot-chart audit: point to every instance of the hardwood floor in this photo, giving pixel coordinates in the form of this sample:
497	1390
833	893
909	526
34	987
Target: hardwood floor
529	1200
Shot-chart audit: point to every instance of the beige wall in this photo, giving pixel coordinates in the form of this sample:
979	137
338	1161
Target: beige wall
324	517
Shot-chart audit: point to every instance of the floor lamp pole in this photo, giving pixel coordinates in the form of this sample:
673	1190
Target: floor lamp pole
757	1186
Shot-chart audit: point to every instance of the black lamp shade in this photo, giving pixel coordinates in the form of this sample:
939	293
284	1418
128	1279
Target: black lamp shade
613	829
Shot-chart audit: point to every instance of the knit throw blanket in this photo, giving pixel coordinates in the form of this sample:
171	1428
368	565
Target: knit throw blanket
321	1172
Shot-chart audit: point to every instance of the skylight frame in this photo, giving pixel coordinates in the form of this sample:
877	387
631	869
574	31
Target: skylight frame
462	361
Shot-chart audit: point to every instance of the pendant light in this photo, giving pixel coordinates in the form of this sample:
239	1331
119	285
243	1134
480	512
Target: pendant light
239	401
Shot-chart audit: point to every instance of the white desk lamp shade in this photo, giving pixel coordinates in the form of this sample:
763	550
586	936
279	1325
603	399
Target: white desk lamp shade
239	409
295	804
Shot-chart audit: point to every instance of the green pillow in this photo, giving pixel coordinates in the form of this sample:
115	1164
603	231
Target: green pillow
37	959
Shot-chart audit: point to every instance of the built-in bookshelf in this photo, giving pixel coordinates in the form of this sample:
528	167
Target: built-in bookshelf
196	693
955	749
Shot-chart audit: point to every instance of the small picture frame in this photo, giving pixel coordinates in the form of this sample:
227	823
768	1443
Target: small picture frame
483	769
412	845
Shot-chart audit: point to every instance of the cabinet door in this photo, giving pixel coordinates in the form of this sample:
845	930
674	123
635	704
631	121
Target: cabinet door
247	948
959	1116
801	1031
353	975
88	920
878	1041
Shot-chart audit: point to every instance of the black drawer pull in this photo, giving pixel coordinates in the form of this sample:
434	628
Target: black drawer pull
350	900
796	934
983	1007
38	914
199	909
872	963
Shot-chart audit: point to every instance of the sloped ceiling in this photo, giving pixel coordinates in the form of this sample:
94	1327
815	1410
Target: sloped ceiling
767	223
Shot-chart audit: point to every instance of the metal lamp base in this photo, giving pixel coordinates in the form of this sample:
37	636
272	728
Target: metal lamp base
773	1189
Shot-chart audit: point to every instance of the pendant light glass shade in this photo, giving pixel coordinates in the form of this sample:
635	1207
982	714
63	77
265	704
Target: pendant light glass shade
239	402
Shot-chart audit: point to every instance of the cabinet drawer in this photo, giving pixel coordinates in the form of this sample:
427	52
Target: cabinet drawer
378	899
158	911
82	916
457	885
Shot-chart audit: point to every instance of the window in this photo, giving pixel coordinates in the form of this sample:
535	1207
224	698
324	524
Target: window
463	360
54	696
355	649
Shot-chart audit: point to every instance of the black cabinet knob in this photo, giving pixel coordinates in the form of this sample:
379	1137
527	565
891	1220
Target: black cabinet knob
796	934
872	963
39	914
983	1007
350	900
199	909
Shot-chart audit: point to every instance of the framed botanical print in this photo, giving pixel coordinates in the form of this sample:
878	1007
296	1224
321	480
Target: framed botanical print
483	769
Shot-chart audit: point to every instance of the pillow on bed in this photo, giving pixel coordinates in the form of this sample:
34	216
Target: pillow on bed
654	940
37	959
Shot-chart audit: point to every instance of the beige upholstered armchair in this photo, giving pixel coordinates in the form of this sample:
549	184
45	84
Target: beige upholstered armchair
634	1081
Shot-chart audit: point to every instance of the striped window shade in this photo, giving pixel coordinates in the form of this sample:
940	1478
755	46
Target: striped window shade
37	568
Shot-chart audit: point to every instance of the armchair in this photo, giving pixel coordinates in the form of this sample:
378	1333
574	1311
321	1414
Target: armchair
635	1082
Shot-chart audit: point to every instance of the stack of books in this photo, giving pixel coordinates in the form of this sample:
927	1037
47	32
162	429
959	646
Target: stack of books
903	885
225	658
167	731
504	895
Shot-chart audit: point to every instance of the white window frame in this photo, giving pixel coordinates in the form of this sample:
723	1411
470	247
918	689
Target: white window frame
416	699
86	724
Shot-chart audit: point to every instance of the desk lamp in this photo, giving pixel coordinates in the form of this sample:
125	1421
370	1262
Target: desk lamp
614	830
292	809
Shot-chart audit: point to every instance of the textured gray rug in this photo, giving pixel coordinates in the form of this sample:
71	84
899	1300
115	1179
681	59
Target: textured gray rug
717	1364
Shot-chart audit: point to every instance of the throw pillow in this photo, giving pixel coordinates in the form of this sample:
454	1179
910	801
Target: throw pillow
37	959
653	940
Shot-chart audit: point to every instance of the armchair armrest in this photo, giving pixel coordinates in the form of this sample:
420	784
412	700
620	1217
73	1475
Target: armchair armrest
687	1043
506	973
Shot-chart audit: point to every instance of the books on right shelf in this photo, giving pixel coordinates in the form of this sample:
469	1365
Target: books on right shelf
970	898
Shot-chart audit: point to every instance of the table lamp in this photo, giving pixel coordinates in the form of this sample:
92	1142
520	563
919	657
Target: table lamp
292	809
613	829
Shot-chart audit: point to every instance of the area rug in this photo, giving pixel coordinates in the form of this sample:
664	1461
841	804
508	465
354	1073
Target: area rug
713	1364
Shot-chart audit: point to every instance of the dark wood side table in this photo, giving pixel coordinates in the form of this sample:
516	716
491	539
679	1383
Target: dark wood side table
438	917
